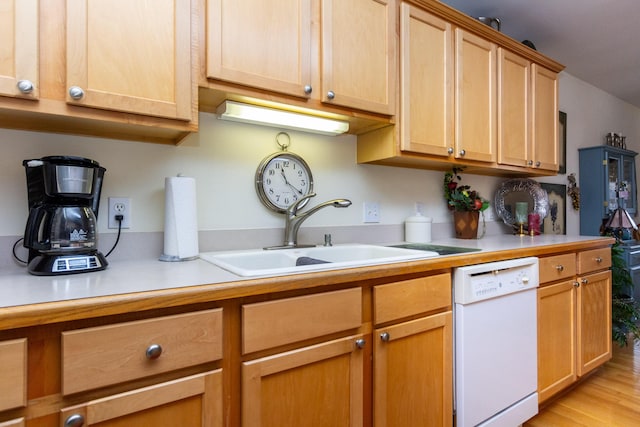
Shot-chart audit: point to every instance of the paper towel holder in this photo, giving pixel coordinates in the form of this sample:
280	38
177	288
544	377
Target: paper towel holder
181	229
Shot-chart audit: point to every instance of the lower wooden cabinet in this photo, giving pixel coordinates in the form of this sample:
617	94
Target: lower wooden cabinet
413	353
191	401
574	319
556	338
413	373
13	374
320	385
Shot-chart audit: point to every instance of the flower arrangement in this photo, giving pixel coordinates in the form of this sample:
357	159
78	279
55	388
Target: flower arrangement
461	197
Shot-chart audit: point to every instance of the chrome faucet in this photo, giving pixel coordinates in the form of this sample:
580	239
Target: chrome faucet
293	219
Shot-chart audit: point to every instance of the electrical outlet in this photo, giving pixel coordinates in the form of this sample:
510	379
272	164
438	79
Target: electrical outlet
371	212
119	206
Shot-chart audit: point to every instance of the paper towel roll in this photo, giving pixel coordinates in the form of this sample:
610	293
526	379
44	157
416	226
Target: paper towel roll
180	219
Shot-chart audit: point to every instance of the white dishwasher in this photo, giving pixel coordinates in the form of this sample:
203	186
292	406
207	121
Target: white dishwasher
496	342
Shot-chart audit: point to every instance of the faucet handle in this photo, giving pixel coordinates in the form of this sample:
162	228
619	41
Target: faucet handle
293	209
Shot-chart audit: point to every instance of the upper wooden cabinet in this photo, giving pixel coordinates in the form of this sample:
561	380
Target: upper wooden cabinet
475	97
470	96
131	62
132	56
19	48
527	113
426	110
276	52
358	55
261	44
544	123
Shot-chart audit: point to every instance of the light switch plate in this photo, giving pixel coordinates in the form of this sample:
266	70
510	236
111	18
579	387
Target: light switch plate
371	213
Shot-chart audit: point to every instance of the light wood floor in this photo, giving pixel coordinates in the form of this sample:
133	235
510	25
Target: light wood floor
609	398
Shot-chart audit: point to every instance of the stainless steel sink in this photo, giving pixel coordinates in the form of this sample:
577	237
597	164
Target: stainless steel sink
439	249
258	262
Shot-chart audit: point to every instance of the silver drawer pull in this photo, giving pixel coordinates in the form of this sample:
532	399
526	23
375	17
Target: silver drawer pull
560	267
75	420
598	260
385	336
360	343
153	351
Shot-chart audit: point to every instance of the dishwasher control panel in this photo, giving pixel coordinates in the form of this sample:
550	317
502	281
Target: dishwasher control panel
484	281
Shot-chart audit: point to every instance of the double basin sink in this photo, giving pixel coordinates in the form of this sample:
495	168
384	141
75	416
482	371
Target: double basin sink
259	262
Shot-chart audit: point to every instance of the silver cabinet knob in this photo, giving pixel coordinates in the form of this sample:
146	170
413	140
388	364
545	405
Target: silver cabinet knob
462	152
360	343
153	351
76	92
530	163
75	420
308	89
576	284
538	163
450	150
385	336
331	94
598	260
585	281
560	267
25	86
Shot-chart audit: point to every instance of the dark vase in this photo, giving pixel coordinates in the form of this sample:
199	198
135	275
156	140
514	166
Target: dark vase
466	224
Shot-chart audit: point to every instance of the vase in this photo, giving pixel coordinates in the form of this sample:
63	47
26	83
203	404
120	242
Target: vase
466	224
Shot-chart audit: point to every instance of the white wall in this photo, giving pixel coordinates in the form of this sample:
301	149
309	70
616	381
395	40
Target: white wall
223	158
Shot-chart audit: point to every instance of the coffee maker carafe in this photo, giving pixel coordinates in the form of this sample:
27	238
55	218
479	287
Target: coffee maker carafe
61	231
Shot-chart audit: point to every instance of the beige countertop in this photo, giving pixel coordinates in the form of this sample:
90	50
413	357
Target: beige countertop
148	284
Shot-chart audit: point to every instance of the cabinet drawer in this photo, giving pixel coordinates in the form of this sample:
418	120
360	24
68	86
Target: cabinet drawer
13	374
557	267
285	321
593	260
634	258
101	356
410	297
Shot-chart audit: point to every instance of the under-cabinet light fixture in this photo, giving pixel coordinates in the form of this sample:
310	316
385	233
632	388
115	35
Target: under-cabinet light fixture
246	113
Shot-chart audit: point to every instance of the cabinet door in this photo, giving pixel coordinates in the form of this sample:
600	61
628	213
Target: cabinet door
130	55
358	54
475	97
413	373
628	177
594	321
320	385
426	55
544	84
514	144
556	338
261	44
19	48
191	401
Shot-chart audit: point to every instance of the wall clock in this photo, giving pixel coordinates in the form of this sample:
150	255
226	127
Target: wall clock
283	178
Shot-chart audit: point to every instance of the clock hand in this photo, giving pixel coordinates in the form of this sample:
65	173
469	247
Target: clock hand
288	183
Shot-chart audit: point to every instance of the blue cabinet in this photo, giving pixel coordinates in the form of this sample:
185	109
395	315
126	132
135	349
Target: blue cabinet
605	173
631	254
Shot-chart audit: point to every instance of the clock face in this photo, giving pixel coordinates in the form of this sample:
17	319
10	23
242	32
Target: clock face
282	179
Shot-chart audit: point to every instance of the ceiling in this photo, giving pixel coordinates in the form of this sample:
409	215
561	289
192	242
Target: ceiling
597	40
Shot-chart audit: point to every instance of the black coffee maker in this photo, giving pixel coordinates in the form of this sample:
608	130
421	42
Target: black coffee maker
61	231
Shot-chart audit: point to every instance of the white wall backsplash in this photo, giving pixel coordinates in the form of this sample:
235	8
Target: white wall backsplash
223	158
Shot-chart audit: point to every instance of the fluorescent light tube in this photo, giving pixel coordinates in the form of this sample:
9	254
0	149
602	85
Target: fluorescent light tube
246	113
